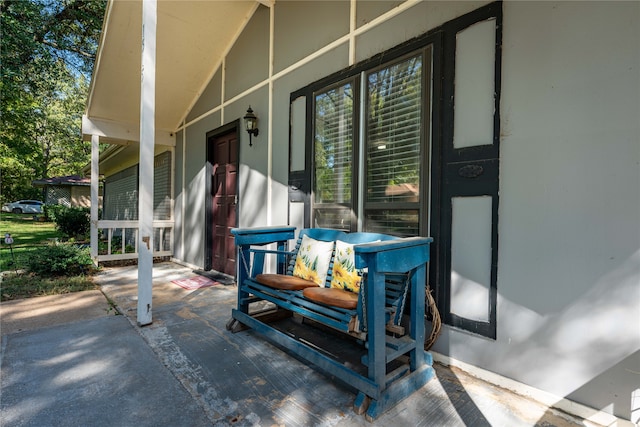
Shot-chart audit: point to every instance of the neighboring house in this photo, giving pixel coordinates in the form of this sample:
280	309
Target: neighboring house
507	131
72	190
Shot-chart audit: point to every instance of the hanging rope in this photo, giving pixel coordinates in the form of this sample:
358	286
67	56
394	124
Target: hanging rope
244	262
436	322
400	310
363	298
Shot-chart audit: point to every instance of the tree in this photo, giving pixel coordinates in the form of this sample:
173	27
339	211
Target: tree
47	52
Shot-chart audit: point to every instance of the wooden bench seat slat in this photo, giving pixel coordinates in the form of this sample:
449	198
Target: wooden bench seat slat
297	297
292	300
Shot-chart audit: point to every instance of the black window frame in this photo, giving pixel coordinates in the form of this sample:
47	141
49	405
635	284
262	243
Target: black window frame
302	181
425	51
446	163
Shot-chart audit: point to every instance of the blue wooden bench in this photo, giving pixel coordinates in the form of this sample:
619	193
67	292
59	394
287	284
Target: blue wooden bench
385	318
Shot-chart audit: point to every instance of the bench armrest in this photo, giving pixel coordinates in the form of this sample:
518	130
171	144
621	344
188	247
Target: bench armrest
263	235
245	238
393	256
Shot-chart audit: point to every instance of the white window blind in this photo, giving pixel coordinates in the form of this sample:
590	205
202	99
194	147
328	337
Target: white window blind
393	130
390	140
334	145
393	148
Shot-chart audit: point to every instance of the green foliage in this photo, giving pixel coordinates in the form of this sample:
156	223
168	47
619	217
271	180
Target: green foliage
15	178
116	246
73	222
51	212
59	259
48	50
28	251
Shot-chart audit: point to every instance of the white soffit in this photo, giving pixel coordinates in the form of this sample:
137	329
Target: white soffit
192	37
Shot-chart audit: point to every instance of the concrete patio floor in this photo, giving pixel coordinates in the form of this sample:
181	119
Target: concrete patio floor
230	379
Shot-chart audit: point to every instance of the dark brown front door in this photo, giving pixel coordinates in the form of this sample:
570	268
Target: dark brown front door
224	161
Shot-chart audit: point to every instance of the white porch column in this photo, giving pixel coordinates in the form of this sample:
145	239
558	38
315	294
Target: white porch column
95	200
147	142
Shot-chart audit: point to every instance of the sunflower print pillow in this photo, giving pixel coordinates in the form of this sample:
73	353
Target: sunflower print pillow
345	276
312	261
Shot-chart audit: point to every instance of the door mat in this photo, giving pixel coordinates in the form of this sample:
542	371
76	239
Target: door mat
216	276
196	282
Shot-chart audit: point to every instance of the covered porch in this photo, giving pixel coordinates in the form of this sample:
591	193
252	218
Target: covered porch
153	62
187	369
541	302
241	379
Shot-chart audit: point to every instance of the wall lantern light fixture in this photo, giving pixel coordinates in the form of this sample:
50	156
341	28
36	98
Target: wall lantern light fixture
251	124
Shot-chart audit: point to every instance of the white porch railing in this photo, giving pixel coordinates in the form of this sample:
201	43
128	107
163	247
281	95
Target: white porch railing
118	240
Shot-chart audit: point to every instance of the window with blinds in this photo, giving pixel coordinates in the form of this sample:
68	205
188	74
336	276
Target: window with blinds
393	147
386	153
333	183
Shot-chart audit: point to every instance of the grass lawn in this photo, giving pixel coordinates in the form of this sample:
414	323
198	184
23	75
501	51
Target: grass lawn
25	285
30	236
27	235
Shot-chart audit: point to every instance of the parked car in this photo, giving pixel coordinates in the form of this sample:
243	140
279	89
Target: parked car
23	206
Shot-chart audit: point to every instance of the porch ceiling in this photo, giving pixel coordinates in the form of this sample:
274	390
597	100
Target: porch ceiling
192	37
